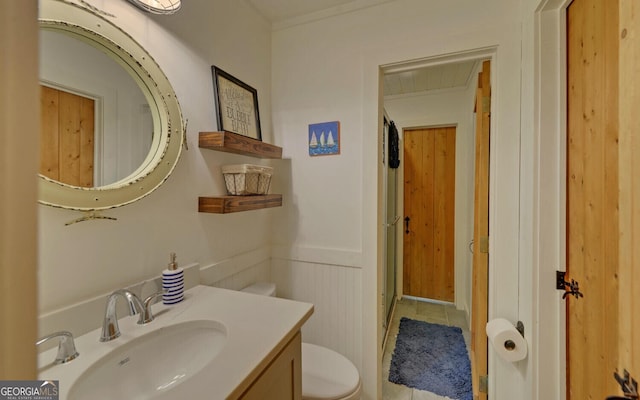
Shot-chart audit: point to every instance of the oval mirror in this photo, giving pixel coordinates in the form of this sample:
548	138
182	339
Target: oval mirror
111	126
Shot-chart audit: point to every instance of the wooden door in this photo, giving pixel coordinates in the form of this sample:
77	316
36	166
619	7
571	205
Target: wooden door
429	213
66	137
18	213
592	197
480	275
629	124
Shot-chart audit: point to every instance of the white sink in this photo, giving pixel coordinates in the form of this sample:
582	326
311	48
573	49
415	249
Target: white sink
152	364
210	345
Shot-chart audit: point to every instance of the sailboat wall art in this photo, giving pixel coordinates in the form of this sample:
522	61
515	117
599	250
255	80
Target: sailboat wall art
324	139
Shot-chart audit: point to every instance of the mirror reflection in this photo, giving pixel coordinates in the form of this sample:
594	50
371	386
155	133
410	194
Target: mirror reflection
114	111
96	123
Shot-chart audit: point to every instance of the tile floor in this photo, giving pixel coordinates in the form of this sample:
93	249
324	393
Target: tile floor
423	311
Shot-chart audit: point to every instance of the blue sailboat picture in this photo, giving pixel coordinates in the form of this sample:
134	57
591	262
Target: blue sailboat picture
324	138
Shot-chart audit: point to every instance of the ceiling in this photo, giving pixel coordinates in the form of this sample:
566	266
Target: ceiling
438	77
283	13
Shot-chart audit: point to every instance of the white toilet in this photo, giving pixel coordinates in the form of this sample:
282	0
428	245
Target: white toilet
326	374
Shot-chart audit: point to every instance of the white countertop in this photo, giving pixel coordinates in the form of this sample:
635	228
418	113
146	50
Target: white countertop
258	327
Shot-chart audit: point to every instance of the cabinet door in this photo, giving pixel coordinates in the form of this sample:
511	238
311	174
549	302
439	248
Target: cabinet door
282	379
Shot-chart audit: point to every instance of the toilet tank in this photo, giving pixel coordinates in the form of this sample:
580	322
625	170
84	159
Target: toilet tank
261	288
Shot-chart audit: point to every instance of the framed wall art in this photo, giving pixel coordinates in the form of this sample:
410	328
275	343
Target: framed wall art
324	139
236	105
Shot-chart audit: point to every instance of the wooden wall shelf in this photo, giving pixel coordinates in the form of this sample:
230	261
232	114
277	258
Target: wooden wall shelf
238	144
233	143
231	204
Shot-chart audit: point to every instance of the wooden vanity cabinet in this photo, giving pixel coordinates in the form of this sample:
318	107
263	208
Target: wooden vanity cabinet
282	378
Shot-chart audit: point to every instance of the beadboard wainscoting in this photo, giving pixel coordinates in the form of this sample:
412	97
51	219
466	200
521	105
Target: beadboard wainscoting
335	291
239	271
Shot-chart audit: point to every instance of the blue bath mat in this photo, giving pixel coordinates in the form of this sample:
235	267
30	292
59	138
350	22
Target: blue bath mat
432	357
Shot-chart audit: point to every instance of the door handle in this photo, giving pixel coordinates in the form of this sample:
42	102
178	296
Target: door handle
628	385
395	221
562	284
406	224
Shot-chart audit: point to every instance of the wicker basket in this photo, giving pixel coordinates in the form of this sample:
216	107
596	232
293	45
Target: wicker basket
247	179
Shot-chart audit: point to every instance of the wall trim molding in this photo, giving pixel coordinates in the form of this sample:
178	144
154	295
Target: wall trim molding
548	198
318	255
86	315
223	269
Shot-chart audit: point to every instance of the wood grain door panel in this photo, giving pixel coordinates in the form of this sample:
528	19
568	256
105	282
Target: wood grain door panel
592	197
480	274
629	269
429	203
67	137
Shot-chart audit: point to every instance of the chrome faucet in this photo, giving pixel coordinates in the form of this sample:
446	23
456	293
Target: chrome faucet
66	347
110	329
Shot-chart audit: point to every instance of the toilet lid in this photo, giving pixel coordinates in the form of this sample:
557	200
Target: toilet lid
326	374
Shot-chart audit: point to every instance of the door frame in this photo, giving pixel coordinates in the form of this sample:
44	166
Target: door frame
507	243
549	199
461	300
486	53
454	119
385	186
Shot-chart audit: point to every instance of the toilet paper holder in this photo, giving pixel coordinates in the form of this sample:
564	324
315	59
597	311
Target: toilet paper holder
510	344
520	327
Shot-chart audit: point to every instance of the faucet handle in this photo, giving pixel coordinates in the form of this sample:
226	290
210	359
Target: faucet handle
146	315
66	347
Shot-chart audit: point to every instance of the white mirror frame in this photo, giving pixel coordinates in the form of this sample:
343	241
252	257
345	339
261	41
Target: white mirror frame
168	125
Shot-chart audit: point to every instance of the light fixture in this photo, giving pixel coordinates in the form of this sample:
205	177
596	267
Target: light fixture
158	6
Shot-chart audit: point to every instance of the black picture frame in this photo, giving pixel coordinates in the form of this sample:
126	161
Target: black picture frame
236	105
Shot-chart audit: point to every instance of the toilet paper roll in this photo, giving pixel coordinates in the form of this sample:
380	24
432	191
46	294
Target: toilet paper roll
506	340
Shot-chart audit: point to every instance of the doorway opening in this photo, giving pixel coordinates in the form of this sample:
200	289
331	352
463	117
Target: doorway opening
435	96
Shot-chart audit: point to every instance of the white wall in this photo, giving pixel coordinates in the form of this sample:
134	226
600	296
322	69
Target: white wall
437	108
330	70
89	259
321	71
